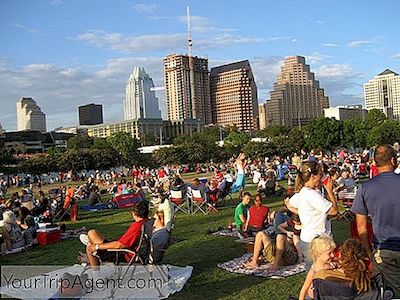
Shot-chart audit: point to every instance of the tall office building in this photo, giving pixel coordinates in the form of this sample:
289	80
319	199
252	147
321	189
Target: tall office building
234	96
262	116
383	92
29	116
187	96
297	97
2	131
90	114
140	101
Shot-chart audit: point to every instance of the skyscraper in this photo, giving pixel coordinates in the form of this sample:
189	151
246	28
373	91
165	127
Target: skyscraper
140	101
234	96
181	101
383	92
90	114
297	96
29	116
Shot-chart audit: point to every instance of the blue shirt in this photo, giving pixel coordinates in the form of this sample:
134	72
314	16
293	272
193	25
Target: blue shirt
379	198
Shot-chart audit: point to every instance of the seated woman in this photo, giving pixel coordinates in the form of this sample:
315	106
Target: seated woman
257	216
97	245
353	267
276	250
12	232
160	238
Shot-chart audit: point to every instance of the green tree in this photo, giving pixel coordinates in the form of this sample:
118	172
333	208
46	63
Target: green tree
126	146
235	141
274	130
77	160
80	142
388	132
374	118
325	133
354	133
39	164
259	150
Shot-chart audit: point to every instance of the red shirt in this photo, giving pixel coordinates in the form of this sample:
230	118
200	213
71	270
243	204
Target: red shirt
131	237
258	216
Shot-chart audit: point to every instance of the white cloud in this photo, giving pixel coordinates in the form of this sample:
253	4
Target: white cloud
143	43
56	2
341	83
315	58
165	42
396	56
26	28
330	45
145	8
361	43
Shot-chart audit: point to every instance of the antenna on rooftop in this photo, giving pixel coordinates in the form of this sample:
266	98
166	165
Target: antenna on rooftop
192	100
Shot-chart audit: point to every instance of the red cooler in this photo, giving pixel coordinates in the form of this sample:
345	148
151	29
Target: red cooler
46	236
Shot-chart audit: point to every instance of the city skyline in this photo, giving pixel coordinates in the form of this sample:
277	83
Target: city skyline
61	57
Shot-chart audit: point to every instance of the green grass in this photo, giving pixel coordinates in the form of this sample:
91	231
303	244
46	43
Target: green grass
191	246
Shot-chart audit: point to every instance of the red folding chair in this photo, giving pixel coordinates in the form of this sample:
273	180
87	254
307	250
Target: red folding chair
180	201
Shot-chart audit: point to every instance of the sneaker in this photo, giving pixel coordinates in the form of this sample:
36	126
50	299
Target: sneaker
84	239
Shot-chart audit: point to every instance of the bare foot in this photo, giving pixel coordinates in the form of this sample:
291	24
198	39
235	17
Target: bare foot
250	265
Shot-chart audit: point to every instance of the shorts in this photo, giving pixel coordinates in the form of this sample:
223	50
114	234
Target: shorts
289	256
111	256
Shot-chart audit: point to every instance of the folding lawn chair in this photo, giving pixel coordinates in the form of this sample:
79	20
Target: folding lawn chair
199	203
143	255
180	201
332	290
225	196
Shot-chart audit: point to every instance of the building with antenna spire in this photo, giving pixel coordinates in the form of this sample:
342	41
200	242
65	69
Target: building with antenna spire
187	86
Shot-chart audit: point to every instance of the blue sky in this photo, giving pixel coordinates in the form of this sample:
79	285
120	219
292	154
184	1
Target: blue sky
67	53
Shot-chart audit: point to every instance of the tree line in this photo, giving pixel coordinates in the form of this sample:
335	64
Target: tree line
121	149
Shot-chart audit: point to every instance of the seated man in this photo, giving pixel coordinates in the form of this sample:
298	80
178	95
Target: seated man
97	245
241	214
346	182
268	186
94	197
257	216
276	250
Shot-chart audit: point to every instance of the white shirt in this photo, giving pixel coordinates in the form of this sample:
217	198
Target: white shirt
313	210
256	177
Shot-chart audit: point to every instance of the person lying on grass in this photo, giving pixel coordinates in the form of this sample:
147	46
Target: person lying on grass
97	245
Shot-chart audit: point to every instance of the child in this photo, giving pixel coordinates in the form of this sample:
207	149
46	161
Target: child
321	250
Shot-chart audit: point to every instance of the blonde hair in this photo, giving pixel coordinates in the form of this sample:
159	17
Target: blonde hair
306	170
320	244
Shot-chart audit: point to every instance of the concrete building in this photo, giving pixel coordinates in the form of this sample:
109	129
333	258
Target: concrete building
343	113
234	96
383	92
148	131
140	100
90	114
187	96
296	97
30	116
262	116
22	142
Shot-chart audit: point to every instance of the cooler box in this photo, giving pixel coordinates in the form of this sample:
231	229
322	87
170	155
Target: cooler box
46	236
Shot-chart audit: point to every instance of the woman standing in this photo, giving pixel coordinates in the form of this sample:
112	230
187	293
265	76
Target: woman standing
311	206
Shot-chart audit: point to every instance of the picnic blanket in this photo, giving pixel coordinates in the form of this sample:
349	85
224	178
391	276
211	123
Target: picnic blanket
177	278
228	232
96	207
263	270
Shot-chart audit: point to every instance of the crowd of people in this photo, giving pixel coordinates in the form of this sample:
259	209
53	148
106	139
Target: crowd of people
298	231
301	230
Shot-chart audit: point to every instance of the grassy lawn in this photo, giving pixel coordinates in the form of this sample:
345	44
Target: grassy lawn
191	246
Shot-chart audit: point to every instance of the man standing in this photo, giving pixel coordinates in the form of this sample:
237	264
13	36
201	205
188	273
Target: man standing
241	214
378	199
